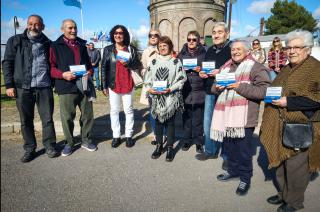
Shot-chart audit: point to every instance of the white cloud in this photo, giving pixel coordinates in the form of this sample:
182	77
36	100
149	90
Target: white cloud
142	2
250	28
261	7
316	13
141	32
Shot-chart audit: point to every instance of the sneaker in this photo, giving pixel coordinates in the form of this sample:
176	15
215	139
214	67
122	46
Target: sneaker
89	147
243	188
224	177
205	156
52	152
28	156
66	151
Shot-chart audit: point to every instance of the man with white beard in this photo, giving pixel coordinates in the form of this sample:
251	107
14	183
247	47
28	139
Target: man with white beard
27	78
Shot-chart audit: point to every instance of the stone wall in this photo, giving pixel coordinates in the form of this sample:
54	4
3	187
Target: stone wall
175	18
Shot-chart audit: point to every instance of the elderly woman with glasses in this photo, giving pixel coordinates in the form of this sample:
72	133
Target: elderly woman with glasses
119	59
300	103
150	53
164	80
276	58
257	52
193	93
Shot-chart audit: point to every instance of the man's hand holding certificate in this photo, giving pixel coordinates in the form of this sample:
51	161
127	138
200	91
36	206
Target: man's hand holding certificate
190	64
273	93
225	79
78	70
208	67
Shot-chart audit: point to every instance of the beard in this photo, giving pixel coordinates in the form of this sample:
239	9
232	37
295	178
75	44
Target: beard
34	33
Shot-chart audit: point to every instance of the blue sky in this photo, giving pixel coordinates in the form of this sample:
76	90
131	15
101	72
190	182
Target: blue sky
103	14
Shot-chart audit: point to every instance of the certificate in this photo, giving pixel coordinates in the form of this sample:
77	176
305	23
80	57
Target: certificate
273	93
189	63
225	79
159	85
122	55
208	66
78	70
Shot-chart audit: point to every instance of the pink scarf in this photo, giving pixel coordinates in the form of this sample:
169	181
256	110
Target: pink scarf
231	110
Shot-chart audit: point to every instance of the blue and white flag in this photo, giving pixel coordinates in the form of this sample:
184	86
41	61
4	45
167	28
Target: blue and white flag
74	3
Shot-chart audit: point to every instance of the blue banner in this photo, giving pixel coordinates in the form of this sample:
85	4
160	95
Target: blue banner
74	3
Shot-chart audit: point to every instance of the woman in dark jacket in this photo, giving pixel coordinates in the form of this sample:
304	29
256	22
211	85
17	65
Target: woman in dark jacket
193	93
118	60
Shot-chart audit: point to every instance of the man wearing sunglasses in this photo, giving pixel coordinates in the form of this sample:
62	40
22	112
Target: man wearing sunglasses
219	53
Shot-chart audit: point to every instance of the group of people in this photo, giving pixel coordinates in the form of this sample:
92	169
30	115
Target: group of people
217	118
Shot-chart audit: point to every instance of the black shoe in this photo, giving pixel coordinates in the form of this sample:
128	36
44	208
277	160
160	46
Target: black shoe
225	165
275	200
28	156
286	208
226	177
170	154
129	142
157	152
186	146
205	156
199	148
52	152
115	142
243	188
154	142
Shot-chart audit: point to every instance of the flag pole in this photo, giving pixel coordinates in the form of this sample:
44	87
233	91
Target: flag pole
81	20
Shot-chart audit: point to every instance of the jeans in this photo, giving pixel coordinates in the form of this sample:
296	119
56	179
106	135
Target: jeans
96	76
211	147
26	100
115	103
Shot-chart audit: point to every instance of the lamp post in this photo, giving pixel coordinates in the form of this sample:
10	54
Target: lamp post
15	24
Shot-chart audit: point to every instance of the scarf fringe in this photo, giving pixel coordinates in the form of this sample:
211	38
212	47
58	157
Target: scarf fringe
231	132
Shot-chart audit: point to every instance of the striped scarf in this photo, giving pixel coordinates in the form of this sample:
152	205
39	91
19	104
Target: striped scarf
231	109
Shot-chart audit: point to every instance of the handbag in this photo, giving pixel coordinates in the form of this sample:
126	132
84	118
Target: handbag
137	79
297	136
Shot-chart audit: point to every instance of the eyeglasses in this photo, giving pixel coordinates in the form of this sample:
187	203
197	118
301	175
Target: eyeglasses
118	33
192	39
154	35
255	43
294	48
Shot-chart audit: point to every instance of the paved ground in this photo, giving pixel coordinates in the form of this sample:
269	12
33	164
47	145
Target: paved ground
126	179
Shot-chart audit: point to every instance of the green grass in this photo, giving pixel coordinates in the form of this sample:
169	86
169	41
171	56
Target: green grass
5	100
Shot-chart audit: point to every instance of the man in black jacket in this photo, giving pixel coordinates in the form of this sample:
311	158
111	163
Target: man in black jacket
219	53
27	78
95	58
69	50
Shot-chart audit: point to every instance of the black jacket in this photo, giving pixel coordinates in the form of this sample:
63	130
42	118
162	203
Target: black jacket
17	61
220	56
108	64
94	57
193	89
65	58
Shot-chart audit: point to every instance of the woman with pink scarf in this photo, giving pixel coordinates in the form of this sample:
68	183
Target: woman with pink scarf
236	111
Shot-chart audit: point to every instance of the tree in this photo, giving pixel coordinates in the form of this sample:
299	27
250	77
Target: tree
288	16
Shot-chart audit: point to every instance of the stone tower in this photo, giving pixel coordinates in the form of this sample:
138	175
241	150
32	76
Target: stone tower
175	18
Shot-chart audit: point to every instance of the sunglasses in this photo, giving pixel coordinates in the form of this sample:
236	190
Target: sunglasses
255	43
118	33
192	39
276	41
154	35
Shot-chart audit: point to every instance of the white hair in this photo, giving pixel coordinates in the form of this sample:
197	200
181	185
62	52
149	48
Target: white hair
303	35
67	20
245	43
224	25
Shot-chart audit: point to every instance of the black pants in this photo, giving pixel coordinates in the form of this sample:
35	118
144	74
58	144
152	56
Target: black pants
26	100
193	124
239	154
169	125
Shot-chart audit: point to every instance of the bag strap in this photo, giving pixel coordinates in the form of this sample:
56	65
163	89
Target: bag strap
282	117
